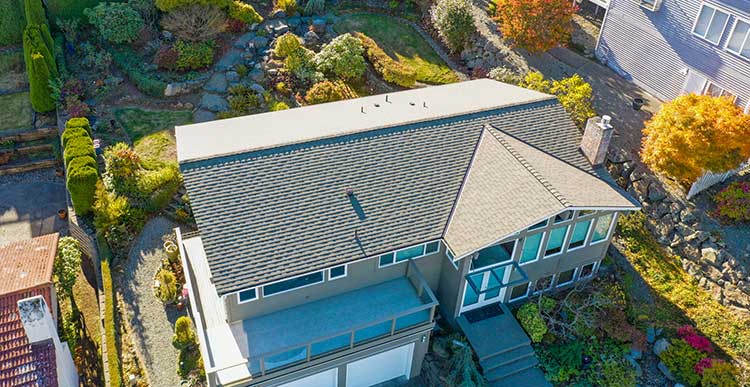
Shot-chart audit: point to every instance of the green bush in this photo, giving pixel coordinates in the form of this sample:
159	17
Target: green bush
59	54
562	363
167	289
81	182
391	70
315	7
193	55
184	335
78	147
67	264
302	65
68	9
116	22
328	91
278	105
574	94
454	22
342	57
110	330
79	122
159	186
721	374
532	322
12	22
39	81
288	6
71	133
127	61
35	41
681	359
239	10
286	45
34	11
616	372
168	5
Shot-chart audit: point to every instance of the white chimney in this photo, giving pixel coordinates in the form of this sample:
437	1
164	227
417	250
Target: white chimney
596	139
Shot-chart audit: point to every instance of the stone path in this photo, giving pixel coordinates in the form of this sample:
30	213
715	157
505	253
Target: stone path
152	323
29	203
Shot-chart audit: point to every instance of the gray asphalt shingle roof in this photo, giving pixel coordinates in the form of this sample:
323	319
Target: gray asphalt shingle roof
277	212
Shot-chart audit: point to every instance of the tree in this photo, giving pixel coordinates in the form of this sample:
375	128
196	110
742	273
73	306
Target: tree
167	290
184	335
34	12
342	57
454	22
535	25
39	89
116	22
574	94
694	134
67	264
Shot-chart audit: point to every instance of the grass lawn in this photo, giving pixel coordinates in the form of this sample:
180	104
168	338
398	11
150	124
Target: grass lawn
152	132
12	69
401	42
15	112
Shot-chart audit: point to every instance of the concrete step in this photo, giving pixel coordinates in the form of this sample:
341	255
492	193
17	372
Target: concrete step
509	335
530	377
506	357
511	368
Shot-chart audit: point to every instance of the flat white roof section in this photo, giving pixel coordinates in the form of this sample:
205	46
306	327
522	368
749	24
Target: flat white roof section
274	129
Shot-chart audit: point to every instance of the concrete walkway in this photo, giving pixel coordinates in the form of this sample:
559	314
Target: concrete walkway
152	322
28	205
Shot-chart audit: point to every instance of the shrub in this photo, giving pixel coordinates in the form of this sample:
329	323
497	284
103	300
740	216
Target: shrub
733	202
536	25
574	94
38	40
122	167
72	132
688	333
34	11
505	75
244	12
68	9
454	22
38	71
342	57
241	70
193	56
391	70
328	91
110	330
170	5
562	363
166	58
681	359
67	264
81	182
614	322
302	65
532	322
720	374
235	26
278	105
158	186
167	289
116	22
11	22
78	147
286	45
616	372
184	335
109	208
75	107
314	7
195	23
288	6
147	10
127	61
704	363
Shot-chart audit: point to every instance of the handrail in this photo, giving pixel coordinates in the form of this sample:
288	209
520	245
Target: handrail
491	269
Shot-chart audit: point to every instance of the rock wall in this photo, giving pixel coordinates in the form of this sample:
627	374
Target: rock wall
683	229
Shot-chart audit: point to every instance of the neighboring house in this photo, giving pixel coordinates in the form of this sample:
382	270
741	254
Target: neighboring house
330	234
673	47
31	353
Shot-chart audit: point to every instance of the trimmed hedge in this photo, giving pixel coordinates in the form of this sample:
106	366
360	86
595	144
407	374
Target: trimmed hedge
34	11
81	182
79	122
71	133
78	147
127	60
391	70
12	22
68	9
39	90
110	330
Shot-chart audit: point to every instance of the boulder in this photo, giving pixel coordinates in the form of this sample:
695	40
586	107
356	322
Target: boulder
229	59
311	39
257	88
202	115
656	193
650	334
217	84
660	346
319	26
277	14
257	75
260	42
711	256
214	103
242	41
232	77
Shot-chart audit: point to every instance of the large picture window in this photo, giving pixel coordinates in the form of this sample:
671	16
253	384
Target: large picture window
293	283
531	245
739	40
601	230
711	23
555	241
580	231
493	255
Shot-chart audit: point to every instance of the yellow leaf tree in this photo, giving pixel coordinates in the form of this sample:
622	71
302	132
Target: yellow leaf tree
694	134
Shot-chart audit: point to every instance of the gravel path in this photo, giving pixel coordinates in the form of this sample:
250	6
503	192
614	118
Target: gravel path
152	323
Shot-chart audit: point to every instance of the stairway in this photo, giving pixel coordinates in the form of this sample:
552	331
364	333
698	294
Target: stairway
503	348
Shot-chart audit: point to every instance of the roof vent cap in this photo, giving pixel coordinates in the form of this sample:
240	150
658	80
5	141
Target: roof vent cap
349	192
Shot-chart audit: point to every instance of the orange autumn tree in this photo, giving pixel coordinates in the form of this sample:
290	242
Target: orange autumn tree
535	25
694	134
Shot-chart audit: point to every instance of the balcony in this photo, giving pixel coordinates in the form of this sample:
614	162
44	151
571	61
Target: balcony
313	330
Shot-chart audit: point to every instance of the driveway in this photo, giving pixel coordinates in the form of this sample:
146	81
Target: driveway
29	204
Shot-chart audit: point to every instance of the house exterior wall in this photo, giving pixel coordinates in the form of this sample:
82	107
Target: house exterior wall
655	48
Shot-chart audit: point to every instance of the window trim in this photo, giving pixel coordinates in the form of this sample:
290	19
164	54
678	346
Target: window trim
294	289
585	238
551	285
538	249
394	252
710	82
572	279
533	228
512	257
746	43
572	216
525	294
593	270
240	301
612	225
562	246
654	8
723	29
346	272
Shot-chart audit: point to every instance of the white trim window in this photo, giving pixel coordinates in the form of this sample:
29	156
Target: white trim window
651	5
294	283
532	246
407	253
543	284
739	40
247	295
567	277
715	90
556	241
587	271
337	272
603	228
710	23
580	234
519	292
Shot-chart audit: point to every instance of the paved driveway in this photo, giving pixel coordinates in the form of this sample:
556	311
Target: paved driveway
29	205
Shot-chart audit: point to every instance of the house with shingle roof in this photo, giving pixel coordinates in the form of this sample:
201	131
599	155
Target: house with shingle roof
31	354
330	237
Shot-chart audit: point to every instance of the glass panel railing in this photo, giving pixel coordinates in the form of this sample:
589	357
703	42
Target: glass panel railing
285	358
372	332
253	364
413	319
330	345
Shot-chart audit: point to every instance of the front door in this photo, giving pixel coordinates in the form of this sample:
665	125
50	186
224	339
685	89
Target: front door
489	272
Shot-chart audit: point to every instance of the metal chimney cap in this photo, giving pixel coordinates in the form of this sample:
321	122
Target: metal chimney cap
349	191
605	122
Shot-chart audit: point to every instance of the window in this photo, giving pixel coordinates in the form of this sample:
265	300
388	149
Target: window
566	277
651	5
583	213
519	292
247	296
710	23
555	241
580	231
386	259
293	283
410	252
493	255
563	216
432	247
530	250
539	225
542	284
601	230
587	271
739	40
337	272
715	90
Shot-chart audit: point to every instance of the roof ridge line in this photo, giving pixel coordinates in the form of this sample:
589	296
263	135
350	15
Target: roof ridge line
530	168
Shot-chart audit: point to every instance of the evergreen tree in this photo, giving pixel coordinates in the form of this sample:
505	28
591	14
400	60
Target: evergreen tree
39	77
34	12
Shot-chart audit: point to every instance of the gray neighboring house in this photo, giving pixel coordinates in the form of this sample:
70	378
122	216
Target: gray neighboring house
332	236
673	47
